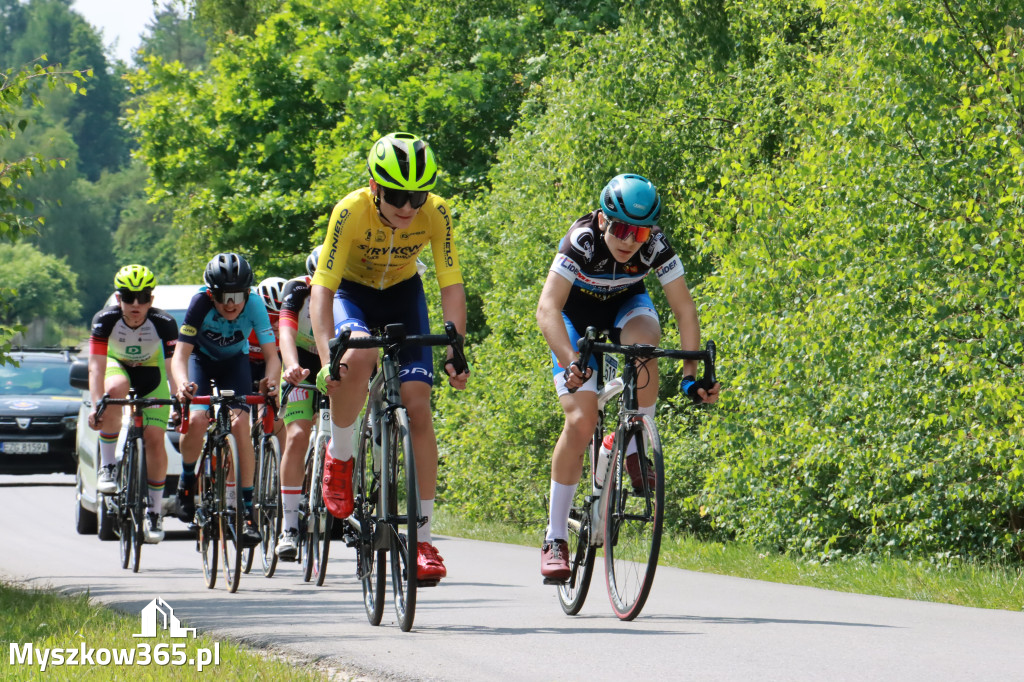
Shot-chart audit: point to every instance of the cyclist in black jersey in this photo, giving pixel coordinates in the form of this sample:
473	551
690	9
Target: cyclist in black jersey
131	345
597	279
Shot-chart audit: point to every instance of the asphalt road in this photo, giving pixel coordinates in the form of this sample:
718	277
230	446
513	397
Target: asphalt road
492	618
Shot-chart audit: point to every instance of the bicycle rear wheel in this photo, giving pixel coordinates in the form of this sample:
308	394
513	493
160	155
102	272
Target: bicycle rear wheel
633	520
404	498
231	519
138	499
573	592
370	561
267	501
206	514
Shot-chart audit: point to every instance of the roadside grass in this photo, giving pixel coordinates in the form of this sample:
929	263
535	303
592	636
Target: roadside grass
53	621
983	586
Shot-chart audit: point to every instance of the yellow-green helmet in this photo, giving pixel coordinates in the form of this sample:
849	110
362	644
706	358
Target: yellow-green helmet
403	161
134	278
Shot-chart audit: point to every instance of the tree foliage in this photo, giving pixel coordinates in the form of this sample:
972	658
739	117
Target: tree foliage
842	181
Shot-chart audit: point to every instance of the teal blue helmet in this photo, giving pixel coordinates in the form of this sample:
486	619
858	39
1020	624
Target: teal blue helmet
631	199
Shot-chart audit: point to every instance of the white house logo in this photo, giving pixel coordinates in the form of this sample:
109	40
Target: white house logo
159	613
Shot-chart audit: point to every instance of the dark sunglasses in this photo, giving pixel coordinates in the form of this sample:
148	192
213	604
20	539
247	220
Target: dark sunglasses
236	297
640	233
398	197
129	296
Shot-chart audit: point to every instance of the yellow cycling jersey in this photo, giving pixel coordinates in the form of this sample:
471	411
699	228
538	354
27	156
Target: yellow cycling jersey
360	248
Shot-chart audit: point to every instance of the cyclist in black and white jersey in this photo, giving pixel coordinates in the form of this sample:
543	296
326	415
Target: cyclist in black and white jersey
597	279
131	345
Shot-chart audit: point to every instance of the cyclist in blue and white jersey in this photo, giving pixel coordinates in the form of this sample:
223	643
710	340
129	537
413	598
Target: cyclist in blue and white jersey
213	346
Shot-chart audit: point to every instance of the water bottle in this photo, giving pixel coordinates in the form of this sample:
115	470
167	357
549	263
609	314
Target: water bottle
603	455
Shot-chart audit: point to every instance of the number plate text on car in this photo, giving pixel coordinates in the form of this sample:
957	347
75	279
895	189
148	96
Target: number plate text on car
24	448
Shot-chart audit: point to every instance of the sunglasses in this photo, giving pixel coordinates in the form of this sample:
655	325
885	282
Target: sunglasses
624	231
129	296
398	197
236	297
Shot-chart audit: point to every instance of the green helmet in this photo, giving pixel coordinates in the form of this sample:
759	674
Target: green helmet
402	161
134	278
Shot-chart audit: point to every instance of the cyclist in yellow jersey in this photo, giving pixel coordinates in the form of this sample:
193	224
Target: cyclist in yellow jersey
366	278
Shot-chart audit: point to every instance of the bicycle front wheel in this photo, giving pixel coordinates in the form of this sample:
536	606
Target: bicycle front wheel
206	515
370	561
122	508
138	500
633	514
312	485
267	501
404	515
231	519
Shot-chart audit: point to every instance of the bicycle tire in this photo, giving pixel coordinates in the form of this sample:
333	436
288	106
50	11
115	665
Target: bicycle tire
267	502
138	499
573	592
311	525
206	515
370	561
321	540
633	521
404	498
232	520
122	517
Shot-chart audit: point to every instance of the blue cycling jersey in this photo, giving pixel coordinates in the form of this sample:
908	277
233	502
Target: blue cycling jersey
219	338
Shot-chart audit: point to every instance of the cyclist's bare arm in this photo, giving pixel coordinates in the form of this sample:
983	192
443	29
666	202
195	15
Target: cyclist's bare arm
685	312
97	374
293	373
180	383
273	366
549	319
321	316
453	308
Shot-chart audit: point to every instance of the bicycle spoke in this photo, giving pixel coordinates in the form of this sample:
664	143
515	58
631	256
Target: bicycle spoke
405	515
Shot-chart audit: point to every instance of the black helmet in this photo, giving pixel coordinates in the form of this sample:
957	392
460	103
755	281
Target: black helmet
228	272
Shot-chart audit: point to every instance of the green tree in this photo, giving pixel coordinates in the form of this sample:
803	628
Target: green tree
41	286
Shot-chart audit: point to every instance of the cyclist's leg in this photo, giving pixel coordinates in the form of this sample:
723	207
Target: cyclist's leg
580	410
151	382
115	384
347	400
638	322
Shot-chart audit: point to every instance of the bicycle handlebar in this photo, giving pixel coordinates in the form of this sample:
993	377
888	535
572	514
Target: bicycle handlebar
588	344
287	389
248	399
106	400
395	336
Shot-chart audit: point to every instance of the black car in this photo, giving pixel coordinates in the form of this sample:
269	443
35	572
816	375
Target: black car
38	412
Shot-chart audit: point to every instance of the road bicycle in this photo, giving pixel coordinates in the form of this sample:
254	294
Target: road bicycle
266	494
218	518
623	512
316	524
386	514
128	505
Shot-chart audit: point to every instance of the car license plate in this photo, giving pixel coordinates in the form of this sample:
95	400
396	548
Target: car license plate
24	448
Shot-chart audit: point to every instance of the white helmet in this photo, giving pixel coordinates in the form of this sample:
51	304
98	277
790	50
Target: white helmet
270	291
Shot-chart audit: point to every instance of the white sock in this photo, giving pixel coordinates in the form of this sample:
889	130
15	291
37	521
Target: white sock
290	500
340	447
561	501
426	509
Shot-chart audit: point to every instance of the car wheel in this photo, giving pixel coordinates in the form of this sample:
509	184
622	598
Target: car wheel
85	520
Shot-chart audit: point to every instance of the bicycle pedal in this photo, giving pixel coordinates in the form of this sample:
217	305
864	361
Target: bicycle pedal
427	583
555	581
